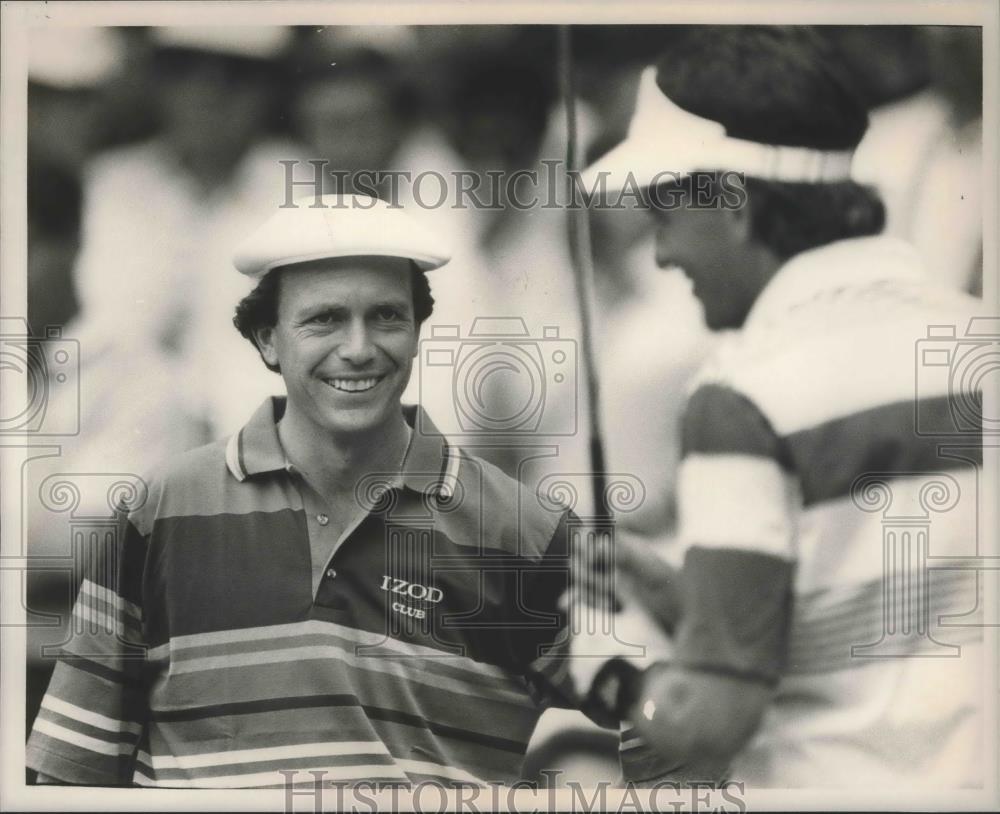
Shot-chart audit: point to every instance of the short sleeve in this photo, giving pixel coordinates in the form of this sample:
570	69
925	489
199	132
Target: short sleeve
545	648
93	716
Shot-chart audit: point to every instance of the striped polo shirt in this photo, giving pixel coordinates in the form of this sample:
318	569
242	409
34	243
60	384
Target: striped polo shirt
828	475
427	651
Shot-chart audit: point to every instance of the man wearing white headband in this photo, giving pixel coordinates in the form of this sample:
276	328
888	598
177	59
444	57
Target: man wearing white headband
806	642
335	594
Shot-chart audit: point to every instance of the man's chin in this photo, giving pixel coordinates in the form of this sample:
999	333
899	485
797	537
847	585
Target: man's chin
718	321
712	319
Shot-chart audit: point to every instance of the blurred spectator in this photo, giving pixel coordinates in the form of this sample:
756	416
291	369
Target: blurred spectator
923	148
956	66
124	405
67	70
354	106
953	238
54	202
162	216
607	60
127	116
215	89
497	113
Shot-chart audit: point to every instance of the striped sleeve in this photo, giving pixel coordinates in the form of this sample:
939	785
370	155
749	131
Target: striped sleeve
735	495
93	714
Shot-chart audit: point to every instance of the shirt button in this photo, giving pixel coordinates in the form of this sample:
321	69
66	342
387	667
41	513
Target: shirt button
322	519
331	572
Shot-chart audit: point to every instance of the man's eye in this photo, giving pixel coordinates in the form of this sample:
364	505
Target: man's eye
387	314
323	319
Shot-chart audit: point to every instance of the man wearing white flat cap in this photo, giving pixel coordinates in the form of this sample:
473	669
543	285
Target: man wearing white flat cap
806	644
327	596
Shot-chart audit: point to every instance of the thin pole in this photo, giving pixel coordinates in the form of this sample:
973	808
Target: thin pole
583	267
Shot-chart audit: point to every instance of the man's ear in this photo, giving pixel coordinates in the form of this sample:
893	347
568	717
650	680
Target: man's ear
734	201
264	337
740	221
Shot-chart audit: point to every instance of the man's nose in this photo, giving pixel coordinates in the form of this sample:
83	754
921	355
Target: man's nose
664	256
357	347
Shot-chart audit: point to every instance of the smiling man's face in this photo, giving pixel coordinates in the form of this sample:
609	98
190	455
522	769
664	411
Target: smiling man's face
345	340
711	247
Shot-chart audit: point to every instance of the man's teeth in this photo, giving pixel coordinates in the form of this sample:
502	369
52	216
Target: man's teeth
352	385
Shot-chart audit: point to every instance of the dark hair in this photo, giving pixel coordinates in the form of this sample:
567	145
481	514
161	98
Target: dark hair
787	218
259	308
781	86
884	62
792	218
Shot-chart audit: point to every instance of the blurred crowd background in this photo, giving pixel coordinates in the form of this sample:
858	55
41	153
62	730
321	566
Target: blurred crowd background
153	151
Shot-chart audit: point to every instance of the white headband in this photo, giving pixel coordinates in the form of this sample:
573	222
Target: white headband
665	140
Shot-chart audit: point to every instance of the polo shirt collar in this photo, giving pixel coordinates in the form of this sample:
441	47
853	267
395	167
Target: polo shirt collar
430	465
843	264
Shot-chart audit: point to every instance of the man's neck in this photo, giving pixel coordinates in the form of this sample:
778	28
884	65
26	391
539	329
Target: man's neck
334	464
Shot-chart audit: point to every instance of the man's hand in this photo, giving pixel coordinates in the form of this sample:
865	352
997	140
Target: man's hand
697	718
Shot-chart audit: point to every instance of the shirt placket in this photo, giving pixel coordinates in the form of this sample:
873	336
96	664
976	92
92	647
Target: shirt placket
323	544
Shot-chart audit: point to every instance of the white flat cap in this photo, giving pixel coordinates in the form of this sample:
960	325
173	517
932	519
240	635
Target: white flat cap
343	226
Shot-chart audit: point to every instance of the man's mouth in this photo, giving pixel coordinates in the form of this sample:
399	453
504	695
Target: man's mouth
354	385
